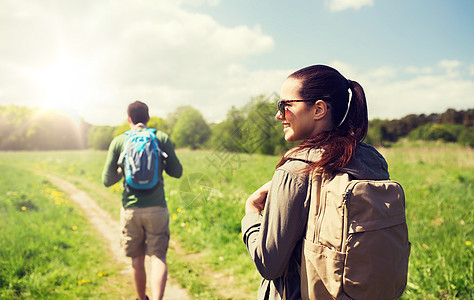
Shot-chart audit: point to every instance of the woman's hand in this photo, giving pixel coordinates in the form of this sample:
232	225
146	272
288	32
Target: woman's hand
256	201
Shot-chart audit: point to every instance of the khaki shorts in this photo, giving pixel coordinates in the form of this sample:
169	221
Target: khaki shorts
145	231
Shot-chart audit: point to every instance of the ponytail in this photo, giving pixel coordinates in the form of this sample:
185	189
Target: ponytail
356	123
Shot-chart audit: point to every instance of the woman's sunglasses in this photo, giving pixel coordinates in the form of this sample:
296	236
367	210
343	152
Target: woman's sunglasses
283	103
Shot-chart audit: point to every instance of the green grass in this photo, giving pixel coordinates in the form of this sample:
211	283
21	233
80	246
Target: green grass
207	204
47	248
439	187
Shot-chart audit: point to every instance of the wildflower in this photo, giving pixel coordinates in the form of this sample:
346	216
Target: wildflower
468	243
175	216
426	246
81	282
101	274
179	209
74	227
23	208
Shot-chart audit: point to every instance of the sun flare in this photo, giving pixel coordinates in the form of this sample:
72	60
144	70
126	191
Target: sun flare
65	85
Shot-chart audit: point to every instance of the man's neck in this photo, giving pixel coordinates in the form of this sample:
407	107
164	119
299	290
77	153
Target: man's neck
138	126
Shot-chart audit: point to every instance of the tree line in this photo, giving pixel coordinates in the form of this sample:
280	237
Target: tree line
23	128
249	129
450	126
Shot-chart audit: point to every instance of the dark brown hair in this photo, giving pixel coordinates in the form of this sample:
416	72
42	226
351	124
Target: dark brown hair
321	82
138	112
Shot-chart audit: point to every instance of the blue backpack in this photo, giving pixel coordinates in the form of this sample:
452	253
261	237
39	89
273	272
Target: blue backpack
141	159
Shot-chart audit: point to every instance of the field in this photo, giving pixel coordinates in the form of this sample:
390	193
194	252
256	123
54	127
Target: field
44	245
47	248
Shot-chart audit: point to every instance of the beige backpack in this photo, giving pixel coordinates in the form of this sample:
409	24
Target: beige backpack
356	244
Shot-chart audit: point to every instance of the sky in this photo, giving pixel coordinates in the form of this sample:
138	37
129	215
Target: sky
97	56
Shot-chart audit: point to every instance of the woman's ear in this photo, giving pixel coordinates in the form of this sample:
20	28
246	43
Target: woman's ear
320	109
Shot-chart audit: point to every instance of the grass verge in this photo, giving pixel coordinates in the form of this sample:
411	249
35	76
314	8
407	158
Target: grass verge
47	248
207	204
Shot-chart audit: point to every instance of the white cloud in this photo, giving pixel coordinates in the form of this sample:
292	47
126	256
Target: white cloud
419	71
449	64
339	5
345	69
155	51
201	2
163	54
451	67
413	90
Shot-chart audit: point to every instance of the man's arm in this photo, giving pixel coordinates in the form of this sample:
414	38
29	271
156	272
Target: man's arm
110	174
173	166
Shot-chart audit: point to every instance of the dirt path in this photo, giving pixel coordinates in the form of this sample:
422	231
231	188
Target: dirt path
109	230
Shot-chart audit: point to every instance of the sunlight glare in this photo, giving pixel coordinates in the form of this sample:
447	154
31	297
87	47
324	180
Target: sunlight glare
66	85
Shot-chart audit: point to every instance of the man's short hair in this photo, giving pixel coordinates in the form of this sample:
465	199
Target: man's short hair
138	112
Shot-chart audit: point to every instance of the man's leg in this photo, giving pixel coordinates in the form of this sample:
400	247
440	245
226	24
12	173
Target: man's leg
159	274
139	276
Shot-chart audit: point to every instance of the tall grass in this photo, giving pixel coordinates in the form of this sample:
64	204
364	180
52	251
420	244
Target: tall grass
47	248
439	187
207	204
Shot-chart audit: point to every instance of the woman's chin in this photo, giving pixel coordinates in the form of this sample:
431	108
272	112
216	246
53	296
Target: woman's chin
289	137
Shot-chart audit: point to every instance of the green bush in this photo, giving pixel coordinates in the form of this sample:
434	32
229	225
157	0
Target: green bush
466	137
444	132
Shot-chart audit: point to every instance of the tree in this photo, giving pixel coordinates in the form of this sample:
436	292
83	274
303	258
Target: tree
159	124
374	133
99	137
260	133
56	130
25	128
155	122
190	129
466	137
252	129
227	135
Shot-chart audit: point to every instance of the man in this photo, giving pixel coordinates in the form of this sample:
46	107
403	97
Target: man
144	215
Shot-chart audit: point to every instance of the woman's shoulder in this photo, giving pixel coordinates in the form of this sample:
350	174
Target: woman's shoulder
297	161
301	157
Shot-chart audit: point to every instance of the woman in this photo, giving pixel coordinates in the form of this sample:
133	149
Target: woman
328	113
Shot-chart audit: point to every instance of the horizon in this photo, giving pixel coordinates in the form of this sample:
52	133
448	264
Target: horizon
76	118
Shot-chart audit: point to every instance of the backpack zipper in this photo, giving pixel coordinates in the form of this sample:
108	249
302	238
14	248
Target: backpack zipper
346	195
320	215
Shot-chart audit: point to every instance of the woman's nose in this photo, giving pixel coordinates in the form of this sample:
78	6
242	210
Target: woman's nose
279	116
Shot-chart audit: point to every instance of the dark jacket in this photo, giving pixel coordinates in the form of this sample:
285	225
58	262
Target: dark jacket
274	238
